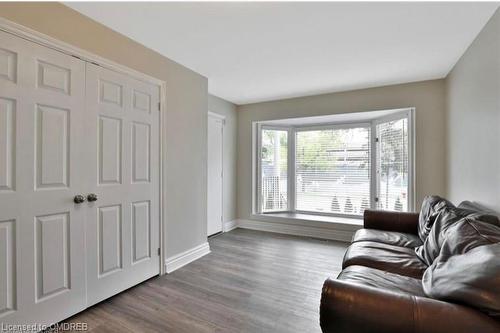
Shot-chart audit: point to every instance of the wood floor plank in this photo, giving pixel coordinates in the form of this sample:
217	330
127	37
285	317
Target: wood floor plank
252	282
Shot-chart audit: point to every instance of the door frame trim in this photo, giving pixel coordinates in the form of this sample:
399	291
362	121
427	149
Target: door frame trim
222	119
34	36
217	116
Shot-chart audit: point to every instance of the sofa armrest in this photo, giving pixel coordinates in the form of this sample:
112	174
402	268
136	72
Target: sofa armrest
348	307
391	221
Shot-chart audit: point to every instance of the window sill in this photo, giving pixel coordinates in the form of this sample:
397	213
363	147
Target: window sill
346	221
309	225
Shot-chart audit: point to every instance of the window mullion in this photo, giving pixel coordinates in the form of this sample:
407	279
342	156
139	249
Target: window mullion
259	167
411	159
373	166
291	170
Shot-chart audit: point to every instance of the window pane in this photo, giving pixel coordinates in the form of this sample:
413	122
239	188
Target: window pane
333	170
274	170
392	162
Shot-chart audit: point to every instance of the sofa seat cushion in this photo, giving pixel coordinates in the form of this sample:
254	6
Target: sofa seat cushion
376	278
387	237
390	258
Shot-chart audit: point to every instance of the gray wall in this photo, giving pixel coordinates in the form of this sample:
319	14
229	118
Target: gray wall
473	119
185	126
227	109
427	97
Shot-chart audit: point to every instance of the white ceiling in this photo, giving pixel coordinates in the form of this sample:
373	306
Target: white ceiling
257	51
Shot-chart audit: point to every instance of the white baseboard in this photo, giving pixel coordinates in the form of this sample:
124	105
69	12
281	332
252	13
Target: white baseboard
182	259
297	230
229	225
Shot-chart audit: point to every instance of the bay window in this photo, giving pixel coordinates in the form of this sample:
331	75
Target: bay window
337	169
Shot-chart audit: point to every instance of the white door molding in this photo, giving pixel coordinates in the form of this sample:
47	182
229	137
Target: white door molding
217	116
215	174
63	47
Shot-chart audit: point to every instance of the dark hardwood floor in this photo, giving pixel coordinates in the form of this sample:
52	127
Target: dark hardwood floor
251	282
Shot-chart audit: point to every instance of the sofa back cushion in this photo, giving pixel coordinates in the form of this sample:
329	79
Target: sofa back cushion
467	234
475	207
431	206
467	269
446	217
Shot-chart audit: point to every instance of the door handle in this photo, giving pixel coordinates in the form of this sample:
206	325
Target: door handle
92	197
78	199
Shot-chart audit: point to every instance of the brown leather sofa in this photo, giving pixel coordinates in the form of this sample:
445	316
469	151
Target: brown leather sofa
387	286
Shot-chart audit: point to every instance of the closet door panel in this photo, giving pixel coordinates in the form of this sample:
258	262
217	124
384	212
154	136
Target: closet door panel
42	232
123	164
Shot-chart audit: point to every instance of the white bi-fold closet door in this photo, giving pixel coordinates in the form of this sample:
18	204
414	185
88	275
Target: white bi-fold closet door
122	118
42	233
70	129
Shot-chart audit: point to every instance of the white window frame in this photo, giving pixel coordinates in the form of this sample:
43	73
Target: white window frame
289	131
408	113
329	127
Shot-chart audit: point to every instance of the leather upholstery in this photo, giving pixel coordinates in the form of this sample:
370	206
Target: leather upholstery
380	288
430	209
390	258
376	278
348	307
468	268
466	235
391	221
445	218
475	207
387	237
471	278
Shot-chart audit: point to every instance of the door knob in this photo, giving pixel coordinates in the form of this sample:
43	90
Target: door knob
78	199
92	197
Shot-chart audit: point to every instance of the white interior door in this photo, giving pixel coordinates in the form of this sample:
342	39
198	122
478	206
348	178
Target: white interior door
215	157
42	232
122	159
